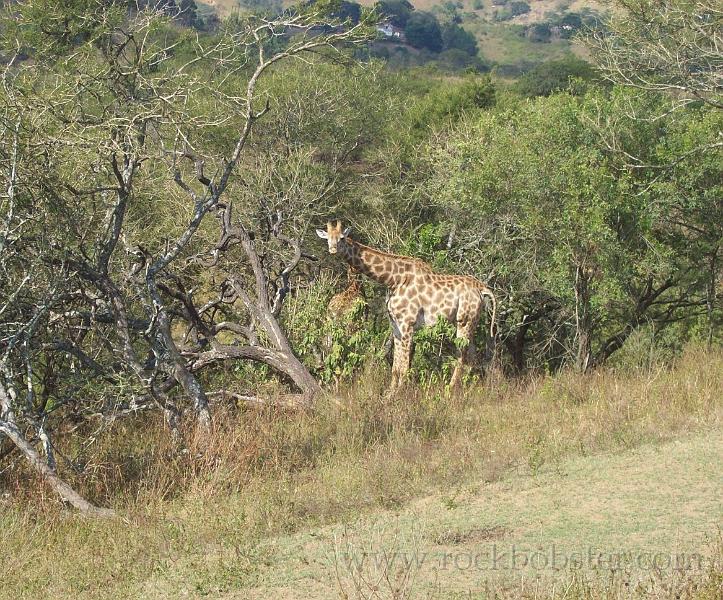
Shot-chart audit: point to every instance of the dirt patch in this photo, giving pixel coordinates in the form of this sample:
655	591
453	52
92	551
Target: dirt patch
453	537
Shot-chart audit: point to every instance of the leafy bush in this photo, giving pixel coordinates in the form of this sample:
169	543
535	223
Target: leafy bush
333	349
455	37
435	352
519	7
539	32
447	104
511	10
553	76
458	60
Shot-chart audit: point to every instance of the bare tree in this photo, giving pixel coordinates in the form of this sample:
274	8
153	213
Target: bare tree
93	293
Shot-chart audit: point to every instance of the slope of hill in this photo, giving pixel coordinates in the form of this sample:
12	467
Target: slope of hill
511	42
517	43
222	7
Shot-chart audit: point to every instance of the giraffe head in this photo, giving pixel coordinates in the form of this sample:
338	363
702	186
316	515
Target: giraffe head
333	235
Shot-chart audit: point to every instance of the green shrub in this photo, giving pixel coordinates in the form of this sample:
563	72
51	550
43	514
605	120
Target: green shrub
554	76
333	349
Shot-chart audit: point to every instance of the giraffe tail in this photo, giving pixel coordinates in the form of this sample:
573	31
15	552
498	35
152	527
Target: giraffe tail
493	322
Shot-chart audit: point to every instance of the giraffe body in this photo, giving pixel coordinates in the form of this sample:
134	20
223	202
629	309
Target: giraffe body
417	297
341	305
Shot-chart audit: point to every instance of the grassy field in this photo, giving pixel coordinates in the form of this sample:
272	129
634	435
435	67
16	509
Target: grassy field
600	474
502	44
605	521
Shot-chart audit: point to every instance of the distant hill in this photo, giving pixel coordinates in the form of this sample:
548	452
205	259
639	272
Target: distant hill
513	36
222	7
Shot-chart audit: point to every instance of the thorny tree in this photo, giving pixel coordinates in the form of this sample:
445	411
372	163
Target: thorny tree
672	50
98	315
672	47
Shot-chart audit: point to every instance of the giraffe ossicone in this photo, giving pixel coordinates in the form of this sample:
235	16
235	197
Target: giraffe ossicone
417	297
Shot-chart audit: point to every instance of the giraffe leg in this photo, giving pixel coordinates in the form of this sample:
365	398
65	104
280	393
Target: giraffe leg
402	358
465	331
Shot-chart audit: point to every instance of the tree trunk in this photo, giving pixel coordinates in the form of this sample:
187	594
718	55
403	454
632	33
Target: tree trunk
710	300
283	362
583	320
516	348
190	384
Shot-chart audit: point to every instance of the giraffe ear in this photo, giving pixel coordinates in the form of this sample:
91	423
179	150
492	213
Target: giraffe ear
347	231
322	234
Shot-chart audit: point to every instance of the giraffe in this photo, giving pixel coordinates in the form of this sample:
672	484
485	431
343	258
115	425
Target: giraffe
344	311
342	303
417	297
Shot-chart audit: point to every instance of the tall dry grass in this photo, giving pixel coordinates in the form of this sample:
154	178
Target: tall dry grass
378	449
268	471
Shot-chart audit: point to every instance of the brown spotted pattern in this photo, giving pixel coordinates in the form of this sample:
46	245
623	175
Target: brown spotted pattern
417	297
341	304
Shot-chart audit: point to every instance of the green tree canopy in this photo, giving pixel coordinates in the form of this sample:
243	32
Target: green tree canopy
455	37
553	76
397	11
672	46
423	31
589	248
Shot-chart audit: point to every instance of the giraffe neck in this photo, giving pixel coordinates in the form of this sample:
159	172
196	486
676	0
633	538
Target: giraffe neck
387	269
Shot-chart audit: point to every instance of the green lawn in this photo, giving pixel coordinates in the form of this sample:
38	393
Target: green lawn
618	515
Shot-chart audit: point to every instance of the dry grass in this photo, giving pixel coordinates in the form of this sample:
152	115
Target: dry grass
643	519
267	472
395	573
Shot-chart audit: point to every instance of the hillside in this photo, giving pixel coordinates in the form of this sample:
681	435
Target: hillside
513	43
506	42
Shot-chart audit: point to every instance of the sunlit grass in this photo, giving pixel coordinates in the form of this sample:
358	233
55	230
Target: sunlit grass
267	473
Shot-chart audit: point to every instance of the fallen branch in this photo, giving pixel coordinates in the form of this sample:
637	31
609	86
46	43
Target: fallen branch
288	401
63	489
